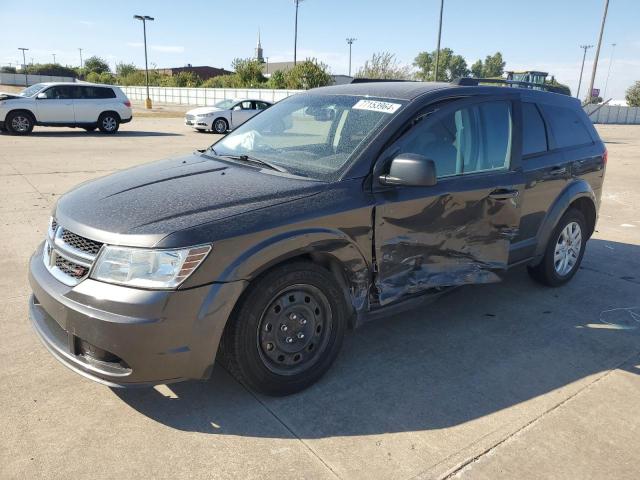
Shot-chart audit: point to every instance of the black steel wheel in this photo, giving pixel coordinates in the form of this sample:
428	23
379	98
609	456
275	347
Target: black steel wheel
287	329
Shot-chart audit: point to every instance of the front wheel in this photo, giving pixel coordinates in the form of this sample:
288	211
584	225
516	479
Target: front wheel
287	331
220	125
109	123
564	251
20	123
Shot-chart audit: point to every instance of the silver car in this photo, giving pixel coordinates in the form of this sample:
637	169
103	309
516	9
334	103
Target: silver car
224	115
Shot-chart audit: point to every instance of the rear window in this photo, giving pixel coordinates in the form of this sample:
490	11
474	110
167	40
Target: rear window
97	92
534	135
567	126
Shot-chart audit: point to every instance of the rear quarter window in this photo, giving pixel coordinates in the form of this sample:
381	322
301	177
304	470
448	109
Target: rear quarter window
534	134
567	126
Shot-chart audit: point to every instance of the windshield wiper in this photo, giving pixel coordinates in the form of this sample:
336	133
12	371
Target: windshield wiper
247	158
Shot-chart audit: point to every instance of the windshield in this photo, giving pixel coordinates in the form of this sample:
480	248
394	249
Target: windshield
32	90
310	135
224	104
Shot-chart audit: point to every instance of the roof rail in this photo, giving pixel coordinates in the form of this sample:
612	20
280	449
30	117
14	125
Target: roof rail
468	82
375	80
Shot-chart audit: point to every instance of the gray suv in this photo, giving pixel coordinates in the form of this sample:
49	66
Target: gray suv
330	208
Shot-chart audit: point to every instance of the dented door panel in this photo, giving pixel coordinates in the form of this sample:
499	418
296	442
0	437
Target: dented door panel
453	233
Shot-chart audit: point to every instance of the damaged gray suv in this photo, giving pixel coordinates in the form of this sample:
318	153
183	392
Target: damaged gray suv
331	208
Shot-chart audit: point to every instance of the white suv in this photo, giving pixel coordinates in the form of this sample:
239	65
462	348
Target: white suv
84	105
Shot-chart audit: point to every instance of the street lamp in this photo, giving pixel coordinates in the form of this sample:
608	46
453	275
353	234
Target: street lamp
24	66
54	58
606	83
350	42
81	65
584	55
435	79
144	19
295	38
595	60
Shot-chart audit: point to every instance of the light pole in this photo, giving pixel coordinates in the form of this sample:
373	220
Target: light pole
584	55
595	60
54	58
435	77
81	65
606	83
144	18
24	66
350	42
295	38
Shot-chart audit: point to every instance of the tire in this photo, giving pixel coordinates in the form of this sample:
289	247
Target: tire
3	129
109	122
90	129
220	126
287	330
561	262
20	123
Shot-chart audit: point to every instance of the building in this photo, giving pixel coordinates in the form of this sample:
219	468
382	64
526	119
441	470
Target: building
204	72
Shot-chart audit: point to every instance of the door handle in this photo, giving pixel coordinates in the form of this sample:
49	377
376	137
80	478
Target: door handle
504	194
557	171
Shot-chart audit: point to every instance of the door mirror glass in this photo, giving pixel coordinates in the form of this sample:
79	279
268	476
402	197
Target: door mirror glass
411	170
41	96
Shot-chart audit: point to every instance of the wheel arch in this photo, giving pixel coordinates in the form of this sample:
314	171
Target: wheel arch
109	111
577	194
24	110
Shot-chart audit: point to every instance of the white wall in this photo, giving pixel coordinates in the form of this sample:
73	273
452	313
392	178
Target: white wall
614	114
18	79
203	96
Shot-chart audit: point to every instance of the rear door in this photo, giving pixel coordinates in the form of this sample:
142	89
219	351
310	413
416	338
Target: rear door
57	106
458	231
91	102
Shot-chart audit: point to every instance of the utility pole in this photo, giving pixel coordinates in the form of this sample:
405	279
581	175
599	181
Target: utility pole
595	60
24	66
350	42
81	65
584	55
54	57
606	83
295	38
435	77
144	18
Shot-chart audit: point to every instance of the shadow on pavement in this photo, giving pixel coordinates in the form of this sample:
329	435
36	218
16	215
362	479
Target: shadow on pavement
475	352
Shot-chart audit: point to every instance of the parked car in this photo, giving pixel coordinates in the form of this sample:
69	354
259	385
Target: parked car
224	115
260	251
84	105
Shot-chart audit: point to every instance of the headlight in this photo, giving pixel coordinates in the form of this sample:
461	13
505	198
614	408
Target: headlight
205	114
146	268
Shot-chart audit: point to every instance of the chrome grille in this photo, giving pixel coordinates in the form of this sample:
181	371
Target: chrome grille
190	117
67	255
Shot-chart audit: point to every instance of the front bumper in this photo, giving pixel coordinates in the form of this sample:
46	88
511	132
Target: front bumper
199	122
122	336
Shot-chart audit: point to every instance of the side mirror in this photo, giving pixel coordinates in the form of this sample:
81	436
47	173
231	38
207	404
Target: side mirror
411	170
41	96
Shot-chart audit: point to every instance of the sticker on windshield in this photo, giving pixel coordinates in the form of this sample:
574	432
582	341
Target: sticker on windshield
376	106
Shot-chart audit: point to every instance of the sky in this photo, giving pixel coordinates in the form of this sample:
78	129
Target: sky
534	35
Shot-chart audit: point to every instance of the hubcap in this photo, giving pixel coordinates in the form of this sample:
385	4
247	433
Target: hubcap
220	126
567	249
109	123
20	124
294	329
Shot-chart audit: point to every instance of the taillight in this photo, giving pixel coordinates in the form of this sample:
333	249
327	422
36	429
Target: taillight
127	103
605	157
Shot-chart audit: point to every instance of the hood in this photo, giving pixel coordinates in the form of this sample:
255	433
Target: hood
142	205
9	96
203	110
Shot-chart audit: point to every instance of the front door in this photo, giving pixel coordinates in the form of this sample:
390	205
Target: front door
458	231
242	112
57	106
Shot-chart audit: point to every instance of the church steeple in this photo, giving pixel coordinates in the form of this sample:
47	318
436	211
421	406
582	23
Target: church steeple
259	55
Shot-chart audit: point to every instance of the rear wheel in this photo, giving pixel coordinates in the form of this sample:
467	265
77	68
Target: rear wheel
109	122
288	330
220	125
564	251
20	123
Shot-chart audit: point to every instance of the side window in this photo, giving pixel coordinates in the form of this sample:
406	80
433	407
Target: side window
261	106
470	139
566	124
534	134
92	93
61	92
105	92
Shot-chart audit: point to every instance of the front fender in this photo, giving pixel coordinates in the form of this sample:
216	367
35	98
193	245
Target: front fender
578	188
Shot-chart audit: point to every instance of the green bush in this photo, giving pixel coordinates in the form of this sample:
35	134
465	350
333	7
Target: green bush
633	95
53	69
104	77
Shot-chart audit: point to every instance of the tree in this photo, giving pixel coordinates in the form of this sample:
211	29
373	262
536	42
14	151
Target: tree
633	95
277	80
493	66
477	69
450	66
384	65
51	69
221	81
124	69
560	86
593	100
104	77
7	69
308	74
248	72
95	64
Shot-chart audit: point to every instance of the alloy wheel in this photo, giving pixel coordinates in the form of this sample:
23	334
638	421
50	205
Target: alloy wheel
220	126
567	249
109	124
20	124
